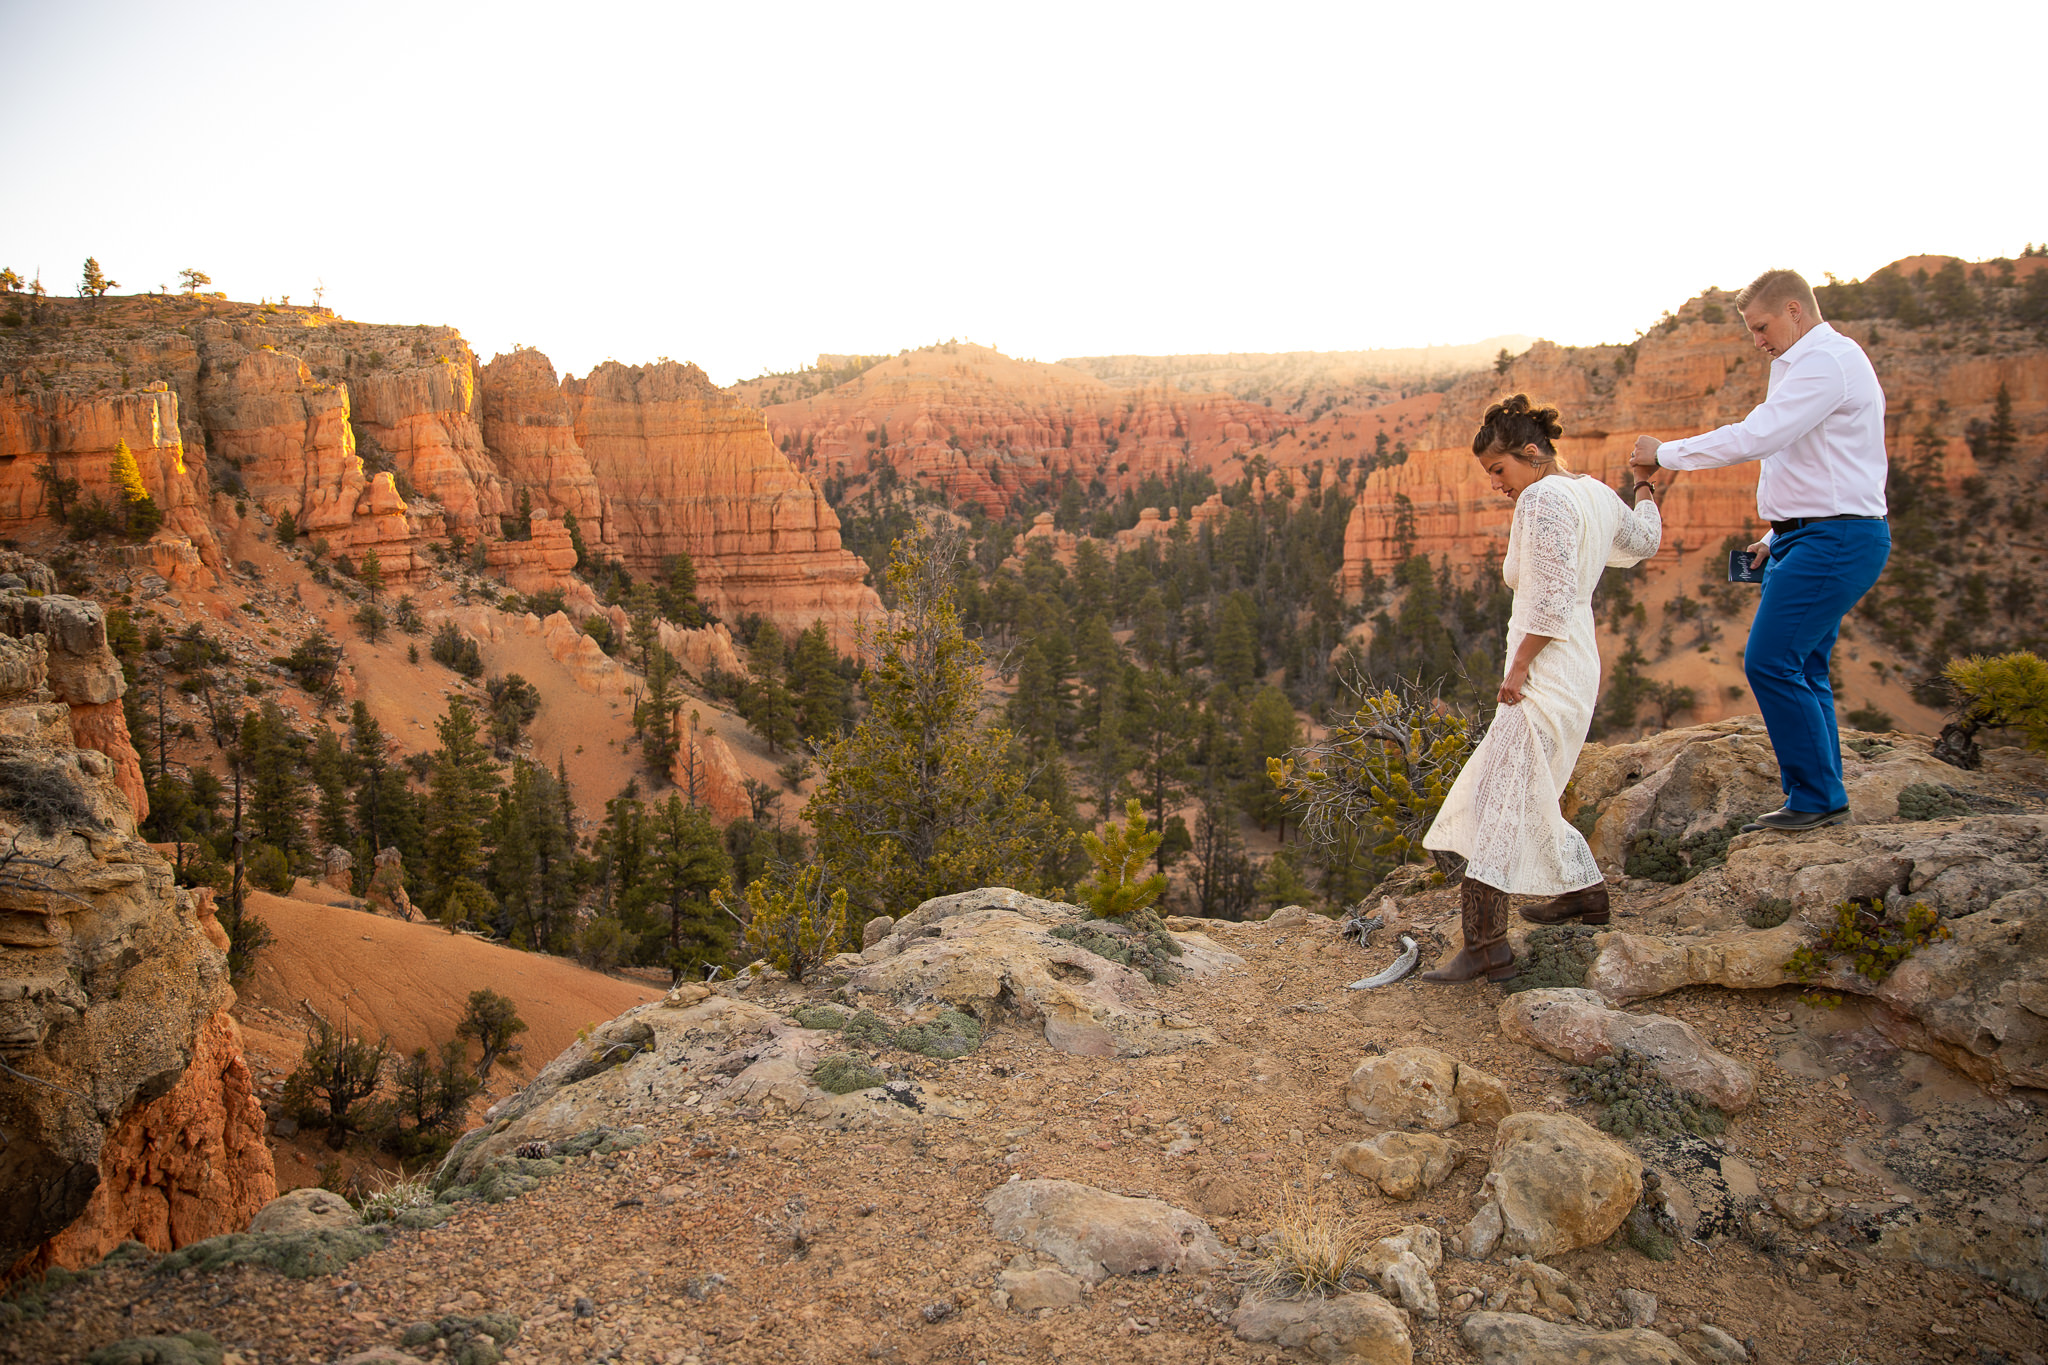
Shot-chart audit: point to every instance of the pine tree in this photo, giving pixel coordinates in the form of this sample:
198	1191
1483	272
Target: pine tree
688	863
370	573
1270	731
331	777
93	282
920	799
191	281
277	794
823	704
533	863
655	716
767	704
459	805
1162	729
136	511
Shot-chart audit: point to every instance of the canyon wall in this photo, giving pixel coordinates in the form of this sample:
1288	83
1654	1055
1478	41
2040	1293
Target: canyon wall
137	1120
979	426
682	467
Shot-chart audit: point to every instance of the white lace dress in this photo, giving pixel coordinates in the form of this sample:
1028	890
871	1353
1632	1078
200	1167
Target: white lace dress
1502	814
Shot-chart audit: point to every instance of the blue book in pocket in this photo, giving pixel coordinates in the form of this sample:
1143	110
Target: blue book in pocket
1739	570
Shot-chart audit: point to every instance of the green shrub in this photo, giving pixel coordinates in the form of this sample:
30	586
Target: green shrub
2006	689
269	868
826	1017
951	1034
1667	858
869	1029
186	1348
1768	913
1118	887
1635	1101
1144	945
294	1255
1557	955
1873	944
1931	801
846	1073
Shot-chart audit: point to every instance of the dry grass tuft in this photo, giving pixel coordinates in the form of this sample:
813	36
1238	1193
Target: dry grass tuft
1315	1252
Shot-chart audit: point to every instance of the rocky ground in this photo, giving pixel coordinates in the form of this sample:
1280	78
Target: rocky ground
1865	1203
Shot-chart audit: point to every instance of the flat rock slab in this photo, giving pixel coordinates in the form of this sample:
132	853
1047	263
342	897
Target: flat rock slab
1031	1290
1577	1026
1351	1329
1401	1165
987	951
1556	1185
1518	1339
1094	1234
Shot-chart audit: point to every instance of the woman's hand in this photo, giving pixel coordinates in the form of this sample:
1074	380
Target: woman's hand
1511	686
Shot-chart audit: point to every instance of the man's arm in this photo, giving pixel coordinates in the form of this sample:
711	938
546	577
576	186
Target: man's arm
1808	393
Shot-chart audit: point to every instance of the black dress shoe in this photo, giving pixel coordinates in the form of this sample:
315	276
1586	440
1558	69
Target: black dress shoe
1793	821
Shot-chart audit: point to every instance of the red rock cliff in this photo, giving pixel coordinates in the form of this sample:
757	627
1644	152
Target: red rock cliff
681	466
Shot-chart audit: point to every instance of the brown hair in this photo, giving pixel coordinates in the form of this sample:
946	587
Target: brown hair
1776	288
1512	425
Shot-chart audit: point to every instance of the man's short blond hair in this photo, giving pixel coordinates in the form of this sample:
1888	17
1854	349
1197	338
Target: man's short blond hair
1776	288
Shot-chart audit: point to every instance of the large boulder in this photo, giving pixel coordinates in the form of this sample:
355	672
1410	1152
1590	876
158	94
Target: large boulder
307	1210
1577	1026
1094	1234
1419	1087
992	951
1555	1185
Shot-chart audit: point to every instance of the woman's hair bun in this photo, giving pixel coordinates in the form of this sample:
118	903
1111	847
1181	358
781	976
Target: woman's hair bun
1515	422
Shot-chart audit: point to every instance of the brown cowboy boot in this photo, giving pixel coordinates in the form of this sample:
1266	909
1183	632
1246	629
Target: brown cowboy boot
1587	905
1486	952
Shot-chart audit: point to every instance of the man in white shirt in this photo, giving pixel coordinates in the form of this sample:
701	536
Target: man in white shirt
1820	437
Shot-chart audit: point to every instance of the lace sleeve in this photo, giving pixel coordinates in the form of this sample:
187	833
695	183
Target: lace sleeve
1547	586
1637	536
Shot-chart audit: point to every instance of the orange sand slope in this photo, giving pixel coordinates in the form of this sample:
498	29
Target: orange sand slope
411	982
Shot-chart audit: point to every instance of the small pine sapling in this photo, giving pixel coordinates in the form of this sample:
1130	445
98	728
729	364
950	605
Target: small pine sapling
791	923
1120	853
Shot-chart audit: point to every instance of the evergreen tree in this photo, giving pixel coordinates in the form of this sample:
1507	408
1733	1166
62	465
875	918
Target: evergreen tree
93	282
370	573
655	716
688	863
823	702
459	805
767	704
1162	731
533	863
277	793
1270	731
1032	712
1236	655
191	281
921	799
135	510
331	777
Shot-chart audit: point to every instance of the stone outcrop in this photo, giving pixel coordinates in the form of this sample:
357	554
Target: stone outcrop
386	894
706	772
1577	1026
83	675
991	951
685	469
1519	1339
1555	1185
138	1120
1349	1329
1419	1087
1402	1165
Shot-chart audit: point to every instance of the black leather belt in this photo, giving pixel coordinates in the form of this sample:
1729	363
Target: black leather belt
1781	527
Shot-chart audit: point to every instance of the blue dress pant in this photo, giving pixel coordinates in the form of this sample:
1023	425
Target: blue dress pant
1815	575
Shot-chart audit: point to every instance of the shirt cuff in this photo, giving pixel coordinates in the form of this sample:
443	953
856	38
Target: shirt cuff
1665	450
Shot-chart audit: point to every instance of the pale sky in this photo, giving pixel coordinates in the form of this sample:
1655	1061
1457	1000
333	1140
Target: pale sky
748	184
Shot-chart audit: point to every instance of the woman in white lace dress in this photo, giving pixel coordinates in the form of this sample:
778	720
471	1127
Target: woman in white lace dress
1502	815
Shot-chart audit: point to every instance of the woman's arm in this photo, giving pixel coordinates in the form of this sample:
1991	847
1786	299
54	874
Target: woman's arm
1518	668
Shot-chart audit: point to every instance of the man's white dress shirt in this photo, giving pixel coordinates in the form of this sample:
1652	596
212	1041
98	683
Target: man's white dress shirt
1819	434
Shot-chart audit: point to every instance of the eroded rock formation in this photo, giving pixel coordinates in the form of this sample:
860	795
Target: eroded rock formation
137	1121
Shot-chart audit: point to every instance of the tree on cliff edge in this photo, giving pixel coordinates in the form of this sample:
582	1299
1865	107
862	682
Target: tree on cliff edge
93	282
139	515
191	281
922	799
